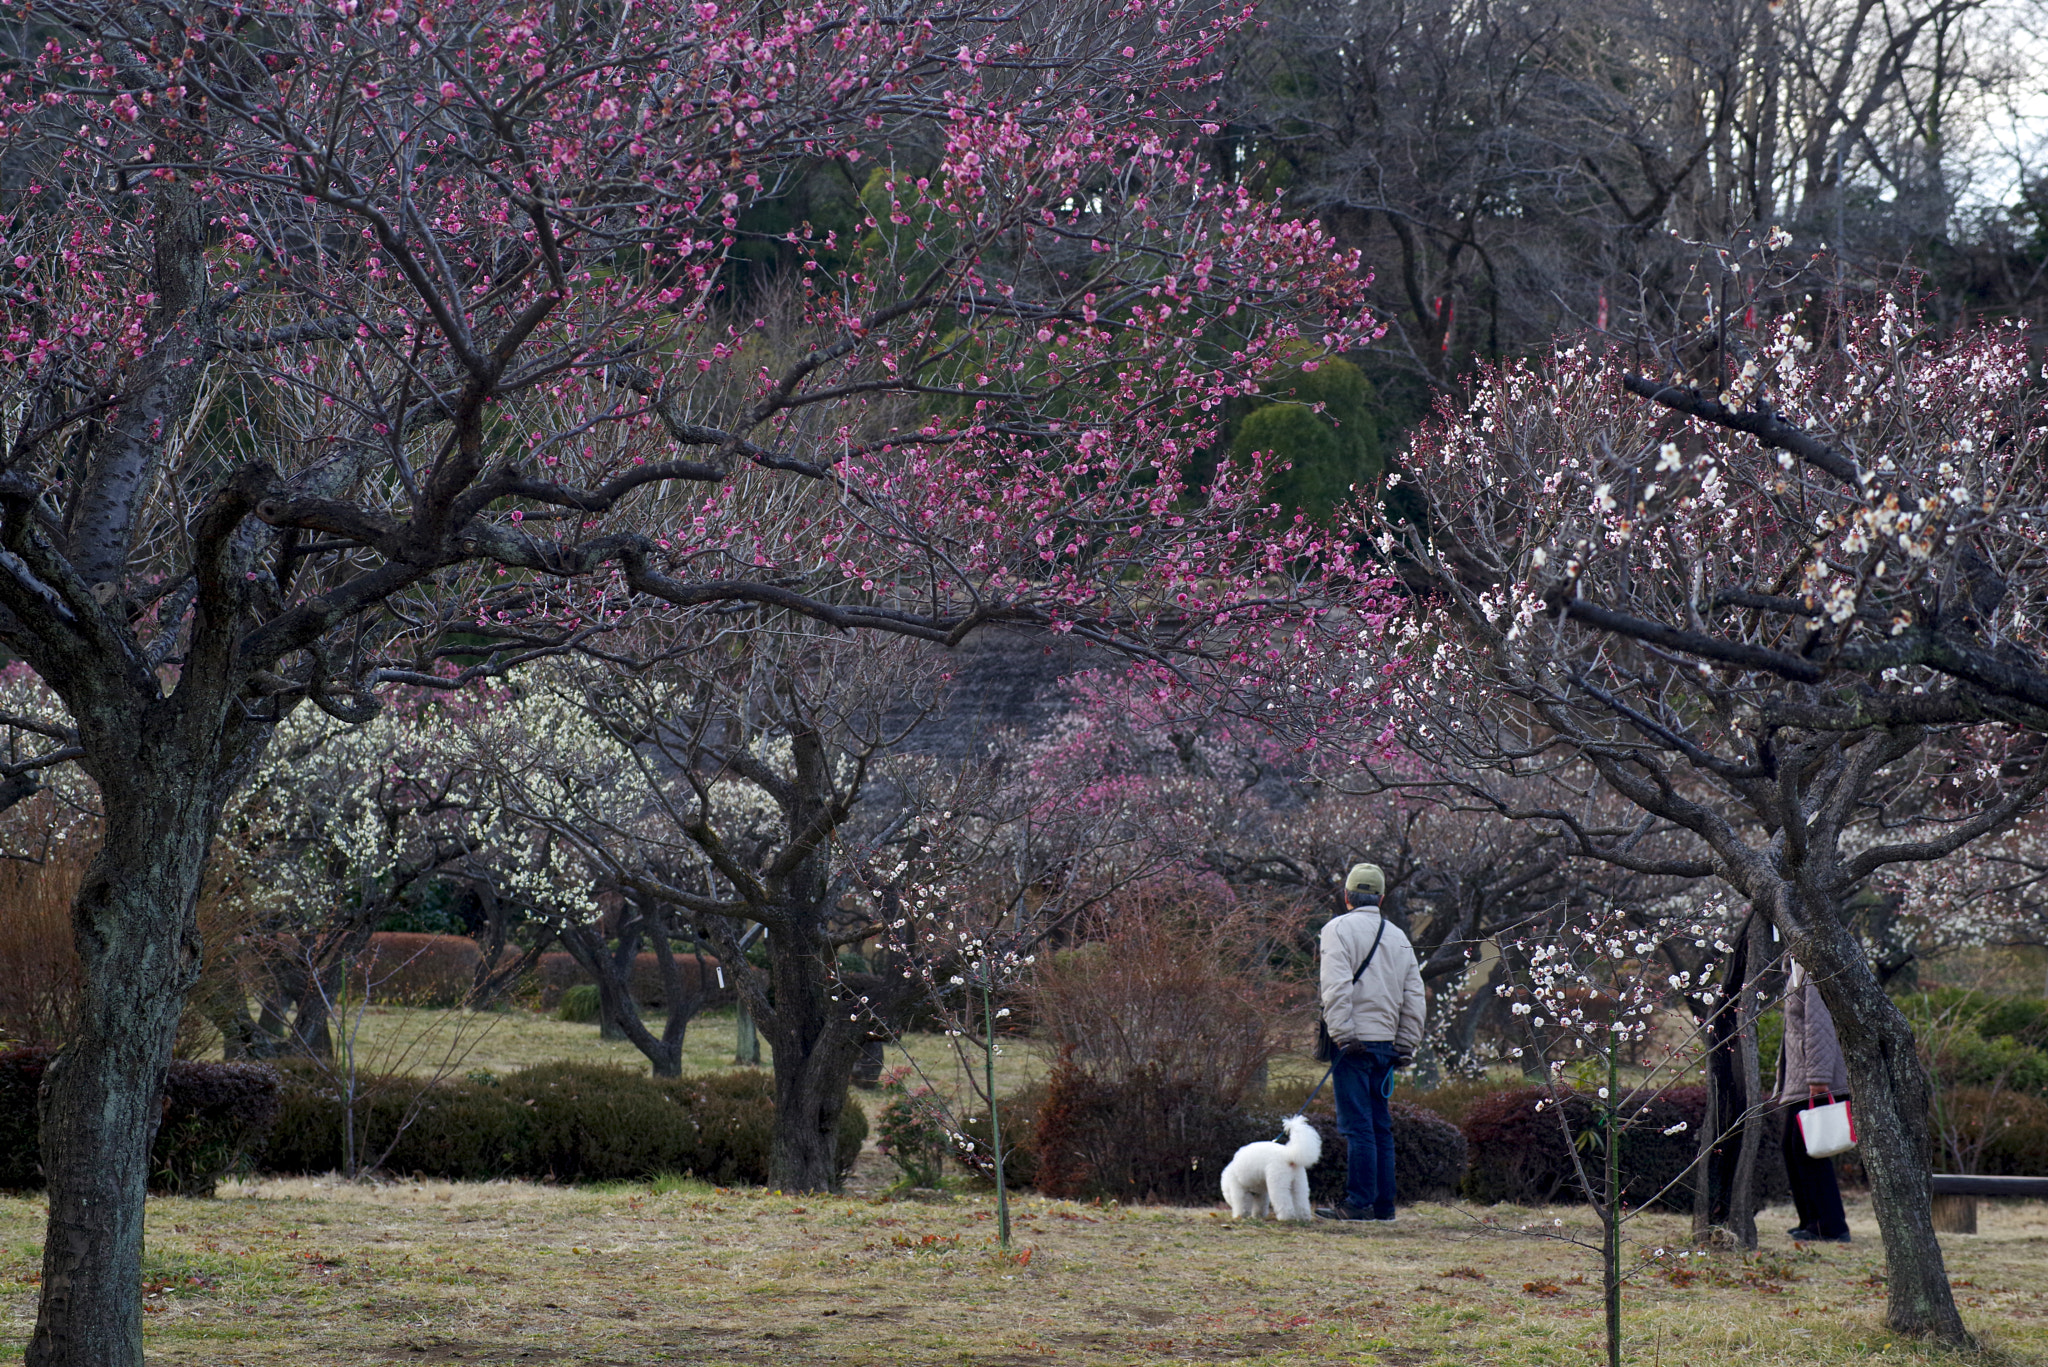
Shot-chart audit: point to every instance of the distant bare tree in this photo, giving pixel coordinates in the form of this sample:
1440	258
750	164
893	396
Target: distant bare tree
1519	171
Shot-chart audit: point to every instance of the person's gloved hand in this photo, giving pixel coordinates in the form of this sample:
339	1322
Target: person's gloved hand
1402	1061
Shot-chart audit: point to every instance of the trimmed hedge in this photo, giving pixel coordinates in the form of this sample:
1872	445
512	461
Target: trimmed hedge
1150	1139
1156	1143
1518	1153
1429	1154
215	1117
1429	1150
558	971
563	1122
408	969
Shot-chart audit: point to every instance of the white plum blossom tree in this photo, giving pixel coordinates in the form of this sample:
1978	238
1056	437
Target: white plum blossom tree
1790	615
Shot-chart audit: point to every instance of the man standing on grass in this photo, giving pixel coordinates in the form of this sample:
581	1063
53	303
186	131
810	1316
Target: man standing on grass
1373	1008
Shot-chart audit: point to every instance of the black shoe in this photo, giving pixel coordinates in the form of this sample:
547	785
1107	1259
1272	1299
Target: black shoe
1340	1211
1802	1234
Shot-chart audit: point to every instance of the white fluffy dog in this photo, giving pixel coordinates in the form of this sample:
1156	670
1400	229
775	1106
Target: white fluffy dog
1273	1177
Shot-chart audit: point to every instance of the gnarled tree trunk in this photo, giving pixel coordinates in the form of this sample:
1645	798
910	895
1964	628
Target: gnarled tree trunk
1890	1097
815	1048
137	933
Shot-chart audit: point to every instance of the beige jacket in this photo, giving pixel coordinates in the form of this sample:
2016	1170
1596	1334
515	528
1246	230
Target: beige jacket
1387	1002
1811	1055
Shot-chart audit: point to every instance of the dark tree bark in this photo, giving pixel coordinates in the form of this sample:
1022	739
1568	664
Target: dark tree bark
1748	1075
1728	1189
494	977
814	1040
614	987
136	930
815	1047
1892	1104
614	968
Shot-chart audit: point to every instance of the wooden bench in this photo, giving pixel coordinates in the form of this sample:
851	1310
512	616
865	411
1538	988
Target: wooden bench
1955	1197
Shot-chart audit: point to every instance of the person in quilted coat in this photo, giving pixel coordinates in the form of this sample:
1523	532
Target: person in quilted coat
1811	1072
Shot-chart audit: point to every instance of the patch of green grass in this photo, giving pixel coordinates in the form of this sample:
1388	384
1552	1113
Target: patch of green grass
676	1184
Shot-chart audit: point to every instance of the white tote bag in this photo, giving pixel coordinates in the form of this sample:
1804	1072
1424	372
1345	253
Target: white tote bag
1828	1130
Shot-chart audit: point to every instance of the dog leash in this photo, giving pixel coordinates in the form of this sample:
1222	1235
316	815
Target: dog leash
1386	1090
1281	1138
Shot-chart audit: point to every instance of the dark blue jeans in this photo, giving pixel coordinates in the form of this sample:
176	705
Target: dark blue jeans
1360	1081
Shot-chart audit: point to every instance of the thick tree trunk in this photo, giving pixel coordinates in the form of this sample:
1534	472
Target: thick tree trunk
494	977
615	1002
746	1048
1891	1100
809	1099
137	934
816	1046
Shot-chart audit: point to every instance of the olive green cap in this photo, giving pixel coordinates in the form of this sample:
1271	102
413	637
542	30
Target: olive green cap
1366	878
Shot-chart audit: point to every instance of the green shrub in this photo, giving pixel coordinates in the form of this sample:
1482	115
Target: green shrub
2021	1018
592	1123
1770	1037
2024	1019
215	1116
456	1130
307	1135
2002	1133
580	1004
913	1130
565	1122
2020	1148
1972	1060
459	1131
1975	1040
1429	1153
1429	1149
1148	1138
1325	429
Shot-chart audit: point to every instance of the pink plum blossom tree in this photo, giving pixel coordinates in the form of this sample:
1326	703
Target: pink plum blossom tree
354	344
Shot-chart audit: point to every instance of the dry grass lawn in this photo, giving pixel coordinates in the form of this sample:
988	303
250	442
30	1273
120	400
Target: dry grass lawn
406	1039
307	1273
